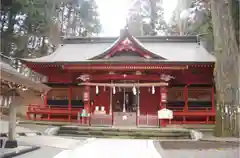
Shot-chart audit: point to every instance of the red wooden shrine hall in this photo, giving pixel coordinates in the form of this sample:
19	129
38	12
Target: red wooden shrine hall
126	80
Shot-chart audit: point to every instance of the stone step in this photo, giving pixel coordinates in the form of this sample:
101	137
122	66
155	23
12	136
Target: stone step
118	132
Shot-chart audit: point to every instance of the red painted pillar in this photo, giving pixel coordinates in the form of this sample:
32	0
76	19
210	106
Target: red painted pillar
45	100
185	101
163	103
69	102
213	100
86	99
186	98
69	97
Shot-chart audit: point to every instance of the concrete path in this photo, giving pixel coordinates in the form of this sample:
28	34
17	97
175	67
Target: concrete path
109	148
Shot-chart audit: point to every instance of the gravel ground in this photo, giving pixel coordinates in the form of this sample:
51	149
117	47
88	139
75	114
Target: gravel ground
199	149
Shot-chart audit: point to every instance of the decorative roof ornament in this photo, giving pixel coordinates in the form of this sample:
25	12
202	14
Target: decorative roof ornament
84	77
165	77
126	45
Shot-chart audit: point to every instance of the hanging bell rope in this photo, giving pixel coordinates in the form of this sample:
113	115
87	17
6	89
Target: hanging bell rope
126	84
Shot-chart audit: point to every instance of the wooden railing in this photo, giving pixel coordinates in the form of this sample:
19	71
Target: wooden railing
42	112
189	109
181	116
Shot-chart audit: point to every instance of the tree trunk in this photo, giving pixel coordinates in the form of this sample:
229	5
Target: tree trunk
227	54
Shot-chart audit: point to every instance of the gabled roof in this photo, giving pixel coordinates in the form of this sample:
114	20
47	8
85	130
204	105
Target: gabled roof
104	49
127	43
8	73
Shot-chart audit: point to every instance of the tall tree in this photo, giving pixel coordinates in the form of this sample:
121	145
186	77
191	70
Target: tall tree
148	16
33	27
79	18
227	53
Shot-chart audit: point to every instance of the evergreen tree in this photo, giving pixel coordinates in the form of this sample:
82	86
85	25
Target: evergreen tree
33	28
148	16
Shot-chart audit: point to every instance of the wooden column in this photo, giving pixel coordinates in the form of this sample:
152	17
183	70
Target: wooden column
45	100
213	99
185	109
111	100
86	98
163	103
69	97
186	98
69	102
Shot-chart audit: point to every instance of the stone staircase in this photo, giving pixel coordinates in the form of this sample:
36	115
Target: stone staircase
124	132
124	119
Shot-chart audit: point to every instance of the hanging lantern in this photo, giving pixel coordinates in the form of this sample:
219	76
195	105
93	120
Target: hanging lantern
153	90
114	90
134	90
97	90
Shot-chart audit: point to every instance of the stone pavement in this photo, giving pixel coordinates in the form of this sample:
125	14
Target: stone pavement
52	141
197	149
211	153
4	128
224	139
109	148
9	153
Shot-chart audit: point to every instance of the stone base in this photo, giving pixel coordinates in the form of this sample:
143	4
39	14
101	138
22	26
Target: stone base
11	144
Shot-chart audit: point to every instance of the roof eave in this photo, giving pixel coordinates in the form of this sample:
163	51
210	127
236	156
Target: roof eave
123	62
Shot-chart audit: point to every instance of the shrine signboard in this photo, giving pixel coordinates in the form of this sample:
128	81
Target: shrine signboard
165	114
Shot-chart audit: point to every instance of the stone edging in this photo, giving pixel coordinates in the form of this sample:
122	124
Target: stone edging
228	141
28	134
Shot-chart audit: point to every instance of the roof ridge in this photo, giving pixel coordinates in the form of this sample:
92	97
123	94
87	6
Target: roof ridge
147	39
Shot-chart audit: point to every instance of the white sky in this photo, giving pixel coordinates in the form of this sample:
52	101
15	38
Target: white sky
113	14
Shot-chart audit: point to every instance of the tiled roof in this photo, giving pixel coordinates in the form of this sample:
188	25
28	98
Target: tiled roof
10	74
172	50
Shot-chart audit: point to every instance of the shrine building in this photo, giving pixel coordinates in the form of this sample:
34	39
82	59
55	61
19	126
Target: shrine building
126	80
